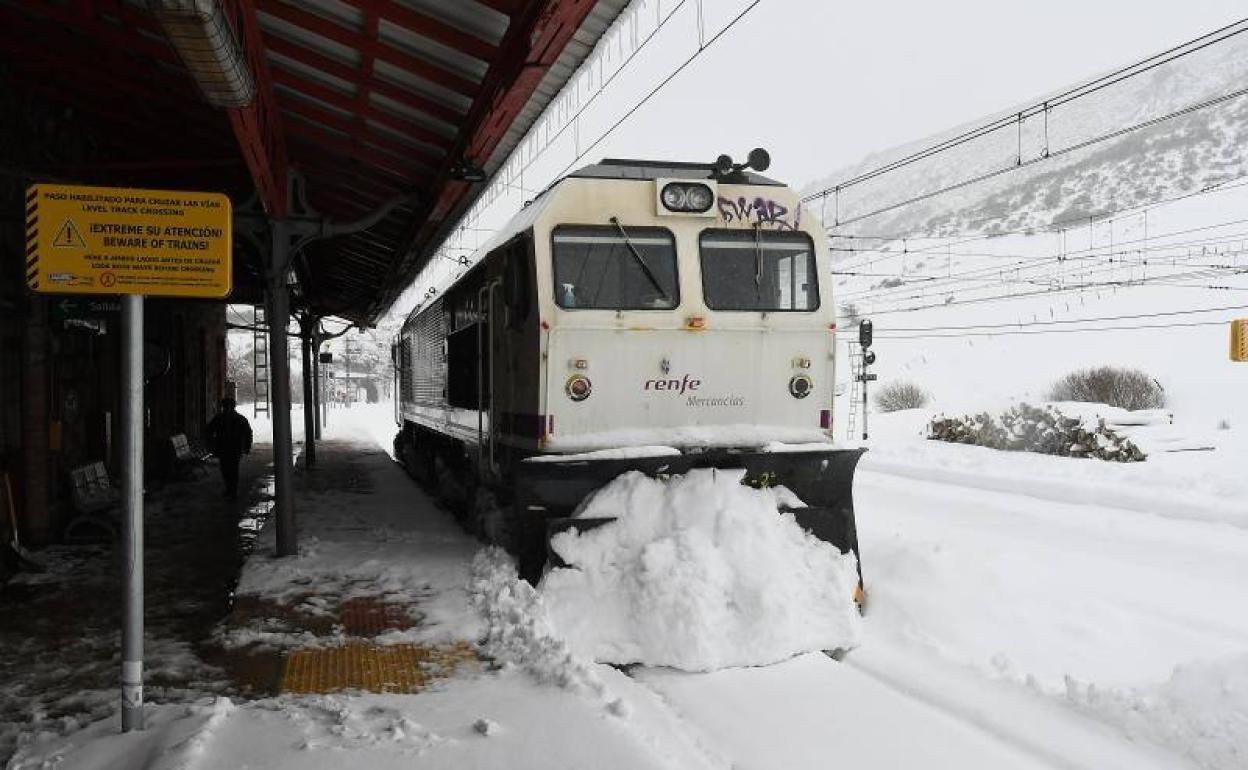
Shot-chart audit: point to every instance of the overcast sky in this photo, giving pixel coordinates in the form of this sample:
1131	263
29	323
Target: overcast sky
821	83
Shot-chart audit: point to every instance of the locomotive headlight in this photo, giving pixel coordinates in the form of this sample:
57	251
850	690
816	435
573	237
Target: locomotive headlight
688	197
800	386
578	387
699	197
675	197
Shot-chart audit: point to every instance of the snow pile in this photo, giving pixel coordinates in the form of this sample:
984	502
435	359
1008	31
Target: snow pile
177	737
517	629
1026	428
698	572
1202	710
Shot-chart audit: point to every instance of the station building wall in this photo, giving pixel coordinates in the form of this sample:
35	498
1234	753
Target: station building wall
59	372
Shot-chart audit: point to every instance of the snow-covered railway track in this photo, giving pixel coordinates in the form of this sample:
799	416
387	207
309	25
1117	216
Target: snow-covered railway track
813	712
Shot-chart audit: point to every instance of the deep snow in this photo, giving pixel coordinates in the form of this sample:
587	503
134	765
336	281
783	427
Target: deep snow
698	572
1009	626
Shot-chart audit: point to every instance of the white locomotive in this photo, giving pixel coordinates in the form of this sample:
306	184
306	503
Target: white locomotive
642	315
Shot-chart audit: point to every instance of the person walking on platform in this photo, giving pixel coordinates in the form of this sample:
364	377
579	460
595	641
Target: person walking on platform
229	438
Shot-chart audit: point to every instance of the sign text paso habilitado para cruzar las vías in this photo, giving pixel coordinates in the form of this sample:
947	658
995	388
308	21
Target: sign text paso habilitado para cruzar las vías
110	240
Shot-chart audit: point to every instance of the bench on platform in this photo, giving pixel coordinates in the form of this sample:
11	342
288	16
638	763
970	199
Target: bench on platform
96	504
186	455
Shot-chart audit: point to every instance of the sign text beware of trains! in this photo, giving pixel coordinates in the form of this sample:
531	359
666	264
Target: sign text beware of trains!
109	240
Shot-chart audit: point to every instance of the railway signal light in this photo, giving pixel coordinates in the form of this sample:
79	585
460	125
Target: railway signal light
868	357
864	333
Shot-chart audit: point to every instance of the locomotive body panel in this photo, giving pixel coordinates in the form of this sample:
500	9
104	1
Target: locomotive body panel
628	306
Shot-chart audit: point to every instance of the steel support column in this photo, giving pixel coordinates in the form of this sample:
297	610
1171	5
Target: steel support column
278	296
307	331
317	392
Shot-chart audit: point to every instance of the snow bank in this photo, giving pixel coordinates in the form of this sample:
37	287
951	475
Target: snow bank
176	737
517	629
698	572
1202	710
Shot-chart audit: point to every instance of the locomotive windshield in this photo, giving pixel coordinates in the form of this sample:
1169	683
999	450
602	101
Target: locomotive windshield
759	270
615	268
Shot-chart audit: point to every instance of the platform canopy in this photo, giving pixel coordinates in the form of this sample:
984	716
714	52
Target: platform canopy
363	100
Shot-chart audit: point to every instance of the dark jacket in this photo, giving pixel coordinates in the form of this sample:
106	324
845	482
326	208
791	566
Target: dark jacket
229	434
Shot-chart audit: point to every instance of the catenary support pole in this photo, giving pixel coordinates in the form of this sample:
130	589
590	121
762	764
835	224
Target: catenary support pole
307	327
132	512
279	319
864	403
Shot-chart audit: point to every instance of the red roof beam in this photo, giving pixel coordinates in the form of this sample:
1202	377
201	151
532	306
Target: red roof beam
337	99
329	66
529	56
258	127
322	140
339	34
403	152
556	25
429	27
506	7
358	181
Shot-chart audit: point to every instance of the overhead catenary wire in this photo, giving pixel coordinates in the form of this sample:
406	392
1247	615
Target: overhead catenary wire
1069	267
1043	107
952	280
1137	327
1063	321
1096	217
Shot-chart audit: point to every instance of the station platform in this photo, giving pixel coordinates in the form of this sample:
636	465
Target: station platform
365	649
376	600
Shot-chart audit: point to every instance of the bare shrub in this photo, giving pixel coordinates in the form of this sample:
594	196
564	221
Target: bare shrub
1027	428
896	396
1124	388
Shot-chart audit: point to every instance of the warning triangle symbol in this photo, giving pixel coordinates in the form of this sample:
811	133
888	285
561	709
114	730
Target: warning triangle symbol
68	237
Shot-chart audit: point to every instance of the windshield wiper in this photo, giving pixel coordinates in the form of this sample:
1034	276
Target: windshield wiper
645	268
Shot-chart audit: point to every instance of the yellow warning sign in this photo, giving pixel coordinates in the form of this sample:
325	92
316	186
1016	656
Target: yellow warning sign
68	237
1239	339
116	240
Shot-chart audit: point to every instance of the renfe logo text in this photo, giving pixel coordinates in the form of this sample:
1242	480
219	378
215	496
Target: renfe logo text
674	385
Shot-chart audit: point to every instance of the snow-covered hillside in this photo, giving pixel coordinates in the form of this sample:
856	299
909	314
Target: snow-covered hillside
1186	153
1130	252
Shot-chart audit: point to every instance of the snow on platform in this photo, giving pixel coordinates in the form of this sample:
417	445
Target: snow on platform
1012	622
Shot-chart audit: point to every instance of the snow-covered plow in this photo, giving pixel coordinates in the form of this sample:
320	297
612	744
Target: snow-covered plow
548	493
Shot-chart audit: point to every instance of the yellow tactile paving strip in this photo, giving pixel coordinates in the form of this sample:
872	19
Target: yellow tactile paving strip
367	617
364	665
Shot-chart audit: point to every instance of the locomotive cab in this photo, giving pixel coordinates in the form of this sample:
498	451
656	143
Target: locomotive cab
636	316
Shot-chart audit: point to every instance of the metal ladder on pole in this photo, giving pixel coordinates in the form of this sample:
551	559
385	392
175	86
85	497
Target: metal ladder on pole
855	388
260	361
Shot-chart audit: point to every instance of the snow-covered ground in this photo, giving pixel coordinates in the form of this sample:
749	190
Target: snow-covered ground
1009	624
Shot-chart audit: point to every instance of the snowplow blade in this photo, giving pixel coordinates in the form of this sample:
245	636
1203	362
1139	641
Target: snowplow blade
548	492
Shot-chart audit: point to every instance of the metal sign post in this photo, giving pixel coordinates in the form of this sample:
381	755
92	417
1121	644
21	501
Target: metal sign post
132	522
110	240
